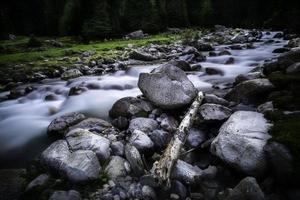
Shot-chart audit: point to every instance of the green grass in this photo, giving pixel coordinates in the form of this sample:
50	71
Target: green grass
99	47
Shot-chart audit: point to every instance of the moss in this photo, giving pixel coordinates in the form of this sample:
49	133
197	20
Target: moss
286	131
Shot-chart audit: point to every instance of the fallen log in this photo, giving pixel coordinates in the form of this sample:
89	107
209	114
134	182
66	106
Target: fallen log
161	170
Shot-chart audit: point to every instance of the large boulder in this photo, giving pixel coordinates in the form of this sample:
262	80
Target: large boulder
80	139
59	126
130	106
250	92
247	189
167	87
79	167
241	142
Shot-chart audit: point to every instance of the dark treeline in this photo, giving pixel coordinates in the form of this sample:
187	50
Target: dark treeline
107	18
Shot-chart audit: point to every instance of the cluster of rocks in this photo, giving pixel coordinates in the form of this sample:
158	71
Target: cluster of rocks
228	154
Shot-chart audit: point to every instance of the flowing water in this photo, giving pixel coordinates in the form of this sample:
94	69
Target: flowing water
24	121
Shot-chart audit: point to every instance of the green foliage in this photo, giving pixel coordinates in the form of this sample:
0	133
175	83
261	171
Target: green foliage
189	36
34	42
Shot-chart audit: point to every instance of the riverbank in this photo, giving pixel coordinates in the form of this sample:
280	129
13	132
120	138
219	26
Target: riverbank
243	143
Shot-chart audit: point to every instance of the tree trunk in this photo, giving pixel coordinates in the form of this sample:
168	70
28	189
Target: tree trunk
162	169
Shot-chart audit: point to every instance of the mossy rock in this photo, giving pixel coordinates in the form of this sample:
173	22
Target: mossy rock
284	81
286	131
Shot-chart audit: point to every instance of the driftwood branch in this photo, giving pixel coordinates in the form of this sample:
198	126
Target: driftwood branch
162	169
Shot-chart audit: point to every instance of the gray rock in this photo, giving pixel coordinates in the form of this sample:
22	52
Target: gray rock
148	193
263	108
167	87
80	139
55	155
135	160
58	126
183	65
211	98
247	189
143	124
136	34
169	124
77	90
141	141
186	173
121	123
71	73
65	195
94	125
38	184
210	111
241	141
246	77
117	148
130	106
213	71
294	68
160	138
196	137
137	55
116	168
250	92
81	167
178	188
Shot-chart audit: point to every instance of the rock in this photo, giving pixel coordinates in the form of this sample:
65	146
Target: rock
59	125
245	77
121	123
167	87
295	42
38	184
186	173
211	112
148	193
200	46
241	141
211	98
294	68
80	139
169	124
130	106
136	55
55	155
141	141
263	108
77	90
81	167
12	183
281	50
160	138
289	58
247	189
94	125
278	35
117	148
196	137
178	188
135	160
213	71
116	168
250	92
239	38
229	61
281	161
51	97
71	73
65	195
183	65
136	34
224	53
143	124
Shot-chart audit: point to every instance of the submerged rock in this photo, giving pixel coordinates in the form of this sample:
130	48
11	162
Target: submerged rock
241	141
130	106
250	92
58	126
167	87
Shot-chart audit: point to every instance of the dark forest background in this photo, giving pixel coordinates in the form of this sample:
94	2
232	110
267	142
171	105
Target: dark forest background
109	18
